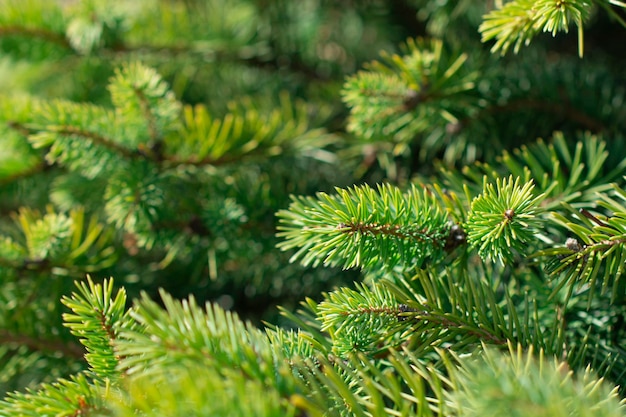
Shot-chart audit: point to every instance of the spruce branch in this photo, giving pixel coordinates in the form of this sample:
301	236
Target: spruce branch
83	137
175	340
456	309
64	243
310	327
144	100
503	218
200	391
295	344
247	132
362	226
75	396
517	22
522	383
403	96
362	320
426	333
97	319
426	319
561	170
403	384
90	138
73	131
161	349
184	332
600	243
149	123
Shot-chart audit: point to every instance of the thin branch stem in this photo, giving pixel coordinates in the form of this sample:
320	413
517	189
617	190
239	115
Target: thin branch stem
43	34
96	138
75	131
71	350
41	166
454	322
395	231
148	114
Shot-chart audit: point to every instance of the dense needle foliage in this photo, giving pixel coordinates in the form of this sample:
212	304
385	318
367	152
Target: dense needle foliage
433	192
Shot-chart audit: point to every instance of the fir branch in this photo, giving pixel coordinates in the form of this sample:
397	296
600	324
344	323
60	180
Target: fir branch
95	137
144	100
97	319
522	383
205	393
503	218
602	243
244	133
362	320
148	114
76	396
518	21
403	96
451	322
361	226
210	336
562	171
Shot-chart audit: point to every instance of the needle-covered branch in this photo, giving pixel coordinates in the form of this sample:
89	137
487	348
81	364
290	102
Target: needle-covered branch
402	96
517	22
502	218
363	226
97	319
597	253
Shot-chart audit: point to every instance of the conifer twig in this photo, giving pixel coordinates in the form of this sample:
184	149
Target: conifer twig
69	349
40	33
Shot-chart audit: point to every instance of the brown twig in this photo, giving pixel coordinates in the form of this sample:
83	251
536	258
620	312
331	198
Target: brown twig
46	35
71	350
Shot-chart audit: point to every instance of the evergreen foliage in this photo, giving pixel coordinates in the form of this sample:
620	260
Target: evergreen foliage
190	149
